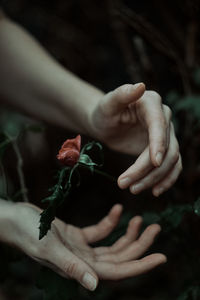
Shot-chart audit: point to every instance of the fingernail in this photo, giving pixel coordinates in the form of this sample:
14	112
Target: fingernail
124	182
136	188
89	281
137	85
159	157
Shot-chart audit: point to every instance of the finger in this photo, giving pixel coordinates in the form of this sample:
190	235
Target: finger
136	249
111	271
116	101
169	180
70	266
158	135
138	170
156	119
104	227
130	236
160	173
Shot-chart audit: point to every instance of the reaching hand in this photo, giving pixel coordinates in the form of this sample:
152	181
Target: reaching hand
66	249
134	121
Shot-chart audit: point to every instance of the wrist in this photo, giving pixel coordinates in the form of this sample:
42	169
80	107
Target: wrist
8	219
77	100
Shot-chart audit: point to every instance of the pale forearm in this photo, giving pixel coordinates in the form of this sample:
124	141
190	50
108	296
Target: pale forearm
32	81
7	217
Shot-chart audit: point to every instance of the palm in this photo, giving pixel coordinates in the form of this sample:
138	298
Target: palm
119	260
121	127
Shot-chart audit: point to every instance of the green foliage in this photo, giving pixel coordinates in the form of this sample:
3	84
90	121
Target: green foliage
61	190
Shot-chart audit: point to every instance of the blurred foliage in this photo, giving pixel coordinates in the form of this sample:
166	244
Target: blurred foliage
121	41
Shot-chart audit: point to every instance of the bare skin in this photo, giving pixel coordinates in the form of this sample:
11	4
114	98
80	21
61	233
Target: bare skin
134	121
129	119
66	249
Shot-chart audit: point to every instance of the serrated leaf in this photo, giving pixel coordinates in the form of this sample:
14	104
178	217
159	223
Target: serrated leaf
55	200
46	218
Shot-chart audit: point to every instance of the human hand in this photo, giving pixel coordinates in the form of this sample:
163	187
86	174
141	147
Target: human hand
66	249
134	121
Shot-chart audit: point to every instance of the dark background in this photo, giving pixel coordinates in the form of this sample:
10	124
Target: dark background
109	43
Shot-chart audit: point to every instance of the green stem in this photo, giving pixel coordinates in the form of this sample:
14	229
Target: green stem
110	177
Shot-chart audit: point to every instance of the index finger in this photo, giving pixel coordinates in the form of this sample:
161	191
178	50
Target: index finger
156	118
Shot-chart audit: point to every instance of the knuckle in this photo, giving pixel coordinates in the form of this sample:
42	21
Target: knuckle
70	268
154	95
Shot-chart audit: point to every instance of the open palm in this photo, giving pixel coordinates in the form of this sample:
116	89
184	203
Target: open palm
66	249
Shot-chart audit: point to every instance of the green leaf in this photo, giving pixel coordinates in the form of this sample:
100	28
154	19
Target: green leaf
55	200
86	160
91	146
197	207
46	218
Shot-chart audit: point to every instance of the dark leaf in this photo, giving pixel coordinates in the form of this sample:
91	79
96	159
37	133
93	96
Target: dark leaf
46	218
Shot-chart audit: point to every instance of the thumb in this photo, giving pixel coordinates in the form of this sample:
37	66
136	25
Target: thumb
117	100
72	266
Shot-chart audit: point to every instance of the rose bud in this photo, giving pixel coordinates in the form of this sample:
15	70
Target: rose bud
70	151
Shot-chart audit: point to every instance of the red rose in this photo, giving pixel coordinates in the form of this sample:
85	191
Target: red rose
70	151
